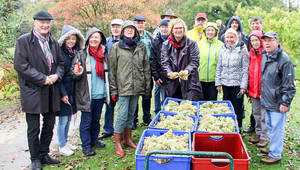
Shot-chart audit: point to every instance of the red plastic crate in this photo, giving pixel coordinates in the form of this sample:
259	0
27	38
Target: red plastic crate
220	142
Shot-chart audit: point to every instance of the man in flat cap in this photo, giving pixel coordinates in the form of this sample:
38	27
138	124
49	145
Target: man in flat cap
155	63
146	37
277	92
39	64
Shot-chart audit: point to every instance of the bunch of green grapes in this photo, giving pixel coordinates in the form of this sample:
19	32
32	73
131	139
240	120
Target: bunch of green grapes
185	107
173	74
171	106
167	141
214	108
182	74
216	124
176	122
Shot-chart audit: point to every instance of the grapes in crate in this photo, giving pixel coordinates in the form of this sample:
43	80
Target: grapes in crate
185	107
176	122
214	108
211	123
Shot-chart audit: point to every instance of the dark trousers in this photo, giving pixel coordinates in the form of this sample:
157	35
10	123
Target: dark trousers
209	90
146	105
39	144
230	93
252	121
109	118
90	125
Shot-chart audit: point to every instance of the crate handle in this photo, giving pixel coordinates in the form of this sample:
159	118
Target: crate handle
200	153
220	160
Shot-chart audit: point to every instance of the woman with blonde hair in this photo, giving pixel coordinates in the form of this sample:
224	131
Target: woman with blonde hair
180	61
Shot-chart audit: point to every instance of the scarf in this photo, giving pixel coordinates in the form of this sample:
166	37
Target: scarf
44	42
99	57
132	43
71	52
173	41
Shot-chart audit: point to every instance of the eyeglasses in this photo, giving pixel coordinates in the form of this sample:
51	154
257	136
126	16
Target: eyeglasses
268	41
178	28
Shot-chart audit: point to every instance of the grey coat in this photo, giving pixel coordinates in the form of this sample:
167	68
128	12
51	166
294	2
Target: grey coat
277	80
232	67
32	68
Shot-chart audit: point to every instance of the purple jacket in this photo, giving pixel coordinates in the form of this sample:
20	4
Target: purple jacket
175	60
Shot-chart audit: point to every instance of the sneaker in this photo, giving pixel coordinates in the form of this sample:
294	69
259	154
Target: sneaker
265	151
66	151
255	139
262	143
72	147
270	160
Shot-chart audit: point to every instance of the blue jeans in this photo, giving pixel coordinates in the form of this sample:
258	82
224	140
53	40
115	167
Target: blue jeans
159	97
275	122
89	123
126	108
63	129
109	118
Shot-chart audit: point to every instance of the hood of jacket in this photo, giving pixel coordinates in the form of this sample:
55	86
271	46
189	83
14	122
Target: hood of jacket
215	26
92	31
69	30
127	24
238	20
258	34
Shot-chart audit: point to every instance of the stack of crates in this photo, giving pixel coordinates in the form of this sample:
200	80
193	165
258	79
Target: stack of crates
229	142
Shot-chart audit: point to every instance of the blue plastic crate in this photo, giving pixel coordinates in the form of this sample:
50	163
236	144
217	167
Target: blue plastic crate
223	101
179	101
177	162
233	116
155	120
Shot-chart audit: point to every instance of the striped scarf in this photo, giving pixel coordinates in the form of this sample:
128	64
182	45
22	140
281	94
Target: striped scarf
44	42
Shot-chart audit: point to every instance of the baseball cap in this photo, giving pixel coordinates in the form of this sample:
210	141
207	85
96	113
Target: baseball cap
116	21
270	34
201	15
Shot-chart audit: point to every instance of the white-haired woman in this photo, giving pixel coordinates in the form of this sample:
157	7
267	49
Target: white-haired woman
232	72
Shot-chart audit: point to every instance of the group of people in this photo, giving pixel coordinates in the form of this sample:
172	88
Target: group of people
77	73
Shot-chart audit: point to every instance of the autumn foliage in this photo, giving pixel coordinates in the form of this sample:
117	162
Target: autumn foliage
87	13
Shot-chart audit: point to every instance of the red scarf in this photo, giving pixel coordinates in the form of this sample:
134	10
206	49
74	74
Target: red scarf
173	41
99	57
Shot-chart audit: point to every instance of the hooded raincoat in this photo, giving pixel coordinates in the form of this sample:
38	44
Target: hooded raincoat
255	57
209	54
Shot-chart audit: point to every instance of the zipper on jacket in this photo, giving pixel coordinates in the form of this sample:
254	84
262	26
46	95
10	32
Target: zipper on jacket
208	63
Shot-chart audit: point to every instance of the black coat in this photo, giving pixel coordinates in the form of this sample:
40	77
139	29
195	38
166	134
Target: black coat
67	87
277	80
32	68
188	57
155	59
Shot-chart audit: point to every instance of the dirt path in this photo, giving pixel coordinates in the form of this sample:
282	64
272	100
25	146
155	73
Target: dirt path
14	152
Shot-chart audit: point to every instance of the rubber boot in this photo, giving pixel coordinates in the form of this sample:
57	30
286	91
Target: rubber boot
127	139
119	150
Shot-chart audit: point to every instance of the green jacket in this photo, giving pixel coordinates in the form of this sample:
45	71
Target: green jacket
209	53
129	71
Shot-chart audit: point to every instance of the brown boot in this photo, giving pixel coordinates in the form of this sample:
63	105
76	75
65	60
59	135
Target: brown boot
127	139
270	160
262	143
255	139
119	150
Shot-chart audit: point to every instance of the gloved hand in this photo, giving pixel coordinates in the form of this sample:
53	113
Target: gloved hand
114	98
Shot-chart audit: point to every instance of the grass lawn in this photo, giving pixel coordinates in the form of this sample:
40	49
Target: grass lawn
106	159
